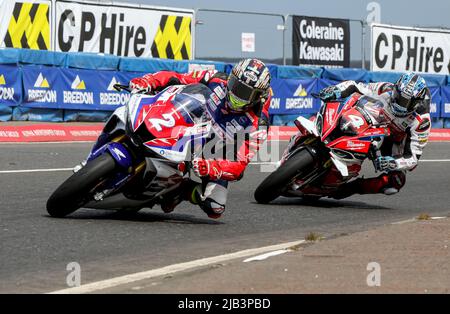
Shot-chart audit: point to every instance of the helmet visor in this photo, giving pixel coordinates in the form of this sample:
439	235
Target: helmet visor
242	91
405	101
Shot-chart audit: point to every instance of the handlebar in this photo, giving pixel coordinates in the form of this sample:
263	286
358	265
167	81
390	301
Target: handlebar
121	87
127	88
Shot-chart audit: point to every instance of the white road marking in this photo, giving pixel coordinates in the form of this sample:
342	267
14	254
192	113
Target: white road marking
416	219
171	269
404	221
434	160
266	256
36	170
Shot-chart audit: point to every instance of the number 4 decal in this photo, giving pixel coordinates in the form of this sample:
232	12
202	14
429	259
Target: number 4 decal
168	122
356	121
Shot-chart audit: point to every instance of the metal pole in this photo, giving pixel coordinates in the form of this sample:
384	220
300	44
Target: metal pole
285	19
363	44
194	35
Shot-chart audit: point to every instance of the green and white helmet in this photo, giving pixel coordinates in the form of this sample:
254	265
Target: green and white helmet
248	83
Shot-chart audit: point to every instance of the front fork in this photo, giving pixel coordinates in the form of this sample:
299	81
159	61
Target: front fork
128	168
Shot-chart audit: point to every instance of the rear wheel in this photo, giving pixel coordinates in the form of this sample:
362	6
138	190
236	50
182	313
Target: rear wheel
73	193
276	182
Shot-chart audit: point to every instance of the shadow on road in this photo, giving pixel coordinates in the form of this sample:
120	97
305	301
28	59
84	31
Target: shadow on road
326	203
142	216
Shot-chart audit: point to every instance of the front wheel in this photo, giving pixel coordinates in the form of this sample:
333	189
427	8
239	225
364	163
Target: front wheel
275	183
73	193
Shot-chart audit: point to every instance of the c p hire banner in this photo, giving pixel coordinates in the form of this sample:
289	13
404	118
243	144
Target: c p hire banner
123	30
61	88
320	41
400	49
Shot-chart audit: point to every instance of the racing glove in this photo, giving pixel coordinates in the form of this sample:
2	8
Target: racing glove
204	167
330	93
146	84
385	163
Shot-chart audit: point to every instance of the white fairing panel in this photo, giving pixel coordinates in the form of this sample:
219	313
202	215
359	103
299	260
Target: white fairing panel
164	170
342	167
121	114
308	125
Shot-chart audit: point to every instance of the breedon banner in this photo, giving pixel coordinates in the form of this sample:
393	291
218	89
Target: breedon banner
399	48
123	30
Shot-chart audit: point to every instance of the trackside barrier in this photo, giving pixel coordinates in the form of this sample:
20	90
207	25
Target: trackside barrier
55	86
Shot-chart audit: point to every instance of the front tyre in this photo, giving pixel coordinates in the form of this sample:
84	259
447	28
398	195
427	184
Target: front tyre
73	193
276	182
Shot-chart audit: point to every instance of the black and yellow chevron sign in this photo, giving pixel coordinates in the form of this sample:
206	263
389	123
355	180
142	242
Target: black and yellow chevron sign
173	38
29	26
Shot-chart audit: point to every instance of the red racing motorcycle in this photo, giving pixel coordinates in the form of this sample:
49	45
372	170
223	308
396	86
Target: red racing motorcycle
328	152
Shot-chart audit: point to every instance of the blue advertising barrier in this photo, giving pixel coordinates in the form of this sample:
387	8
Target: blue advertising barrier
92	61
146	65
9	56
37	114
294	96
42	57
381	76
299	72
10	85
345	74
445	93
184	66
321	84
5	113
60	88
436	101
40	85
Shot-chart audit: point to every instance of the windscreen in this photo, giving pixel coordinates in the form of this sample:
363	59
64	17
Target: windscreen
191	101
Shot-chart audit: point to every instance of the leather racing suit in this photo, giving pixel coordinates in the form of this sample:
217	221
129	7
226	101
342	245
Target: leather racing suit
409	136
225	123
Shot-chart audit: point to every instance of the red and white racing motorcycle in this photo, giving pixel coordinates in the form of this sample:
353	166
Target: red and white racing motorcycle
143	154
328	152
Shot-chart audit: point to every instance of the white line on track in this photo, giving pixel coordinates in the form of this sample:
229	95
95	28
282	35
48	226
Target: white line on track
266	255
36	170
175	268
434	160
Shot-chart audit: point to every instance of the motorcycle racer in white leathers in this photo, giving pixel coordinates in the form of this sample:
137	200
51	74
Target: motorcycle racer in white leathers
407	113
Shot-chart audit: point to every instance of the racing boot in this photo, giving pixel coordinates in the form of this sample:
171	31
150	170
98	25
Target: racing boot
386	183
209	206
188	191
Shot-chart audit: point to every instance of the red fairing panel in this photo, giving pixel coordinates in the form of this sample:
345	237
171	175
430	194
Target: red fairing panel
163	121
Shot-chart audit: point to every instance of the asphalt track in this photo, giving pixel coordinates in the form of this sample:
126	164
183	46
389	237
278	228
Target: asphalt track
35	249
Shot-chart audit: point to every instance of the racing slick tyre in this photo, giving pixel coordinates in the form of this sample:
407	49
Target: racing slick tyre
276	182
73	193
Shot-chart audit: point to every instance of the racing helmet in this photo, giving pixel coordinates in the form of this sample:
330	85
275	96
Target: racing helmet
247	84
410	90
